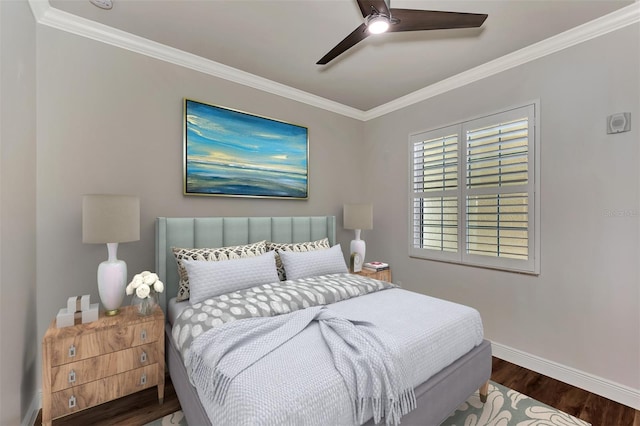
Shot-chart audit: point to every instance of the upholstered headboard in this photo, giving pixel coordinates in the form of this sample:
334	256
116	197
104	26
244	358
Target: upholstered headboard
200	232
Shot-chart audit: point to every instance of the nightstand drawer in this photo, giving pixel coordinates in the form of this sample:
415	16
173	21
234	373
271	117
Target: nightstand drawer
88	370
384	275
88	395
87	345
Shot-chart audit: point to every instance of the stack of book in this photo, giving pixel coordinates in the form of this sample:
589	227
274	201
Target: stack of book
375	266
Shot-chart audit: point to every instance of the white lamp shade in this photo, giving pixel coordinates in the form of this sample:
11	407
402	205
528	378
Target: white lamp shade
358	216
110	218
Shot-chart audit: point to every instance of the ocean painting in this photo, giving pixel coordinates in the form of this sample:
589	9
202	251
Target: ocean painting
232	153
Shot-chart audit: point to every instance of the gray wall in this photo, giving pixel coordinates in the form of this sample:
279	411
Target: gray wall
110	121
583	311
18	336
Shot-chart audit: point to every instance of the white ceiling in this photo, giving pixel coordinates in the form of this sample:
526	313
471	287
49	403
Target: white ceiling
282	40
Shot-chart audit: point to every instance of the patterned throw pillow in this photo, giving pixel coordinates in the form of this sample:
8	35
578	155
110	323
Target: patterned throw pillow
212	255
297	247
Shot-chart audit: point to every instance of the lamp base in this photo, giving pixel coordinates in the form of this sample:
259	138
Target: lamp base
358	246
112	280
112	312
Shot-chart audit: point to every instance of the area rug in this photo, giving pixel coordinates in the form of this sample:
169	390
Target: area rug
504	407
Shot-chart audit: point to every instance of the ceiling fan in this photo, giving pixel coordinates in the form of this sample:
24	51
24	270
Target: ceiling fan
379	18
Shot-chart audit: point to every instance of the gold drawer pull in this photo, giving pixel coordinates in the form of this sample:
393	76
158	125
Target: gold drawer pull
143	357
143	380
72	376
143	335
72	351
72	401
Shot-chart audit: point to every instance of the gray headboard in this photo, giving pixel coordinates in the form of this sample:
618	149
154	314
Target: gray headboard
200	232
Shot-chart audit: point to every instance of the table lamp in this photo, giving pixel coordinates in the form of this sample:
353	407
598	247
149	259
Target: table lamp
358	217
111	219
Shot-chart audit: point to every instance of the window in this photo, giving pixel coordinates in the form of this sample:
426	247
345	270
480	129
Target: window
474	192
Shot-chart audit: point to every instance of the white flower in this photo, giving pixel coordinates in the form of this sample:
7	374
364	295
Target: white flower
150	278
143	291
144	283
136	281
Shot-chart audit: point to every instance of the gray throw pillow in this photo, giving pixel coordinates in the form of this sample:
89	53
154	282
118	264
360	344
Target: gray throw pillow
305	246
211	279
211	255
313	263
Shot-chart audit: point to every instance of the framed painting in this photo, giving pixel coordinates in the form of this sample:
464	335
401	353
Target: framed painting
236	154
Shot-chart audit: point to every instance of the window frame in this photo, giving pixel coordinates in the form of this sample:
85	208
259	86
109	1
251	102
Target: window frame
532	188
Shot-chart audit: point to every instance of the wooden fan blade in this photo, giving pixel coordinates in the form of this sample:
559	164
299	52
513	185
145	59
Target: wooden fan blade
351	40
367	6
418	20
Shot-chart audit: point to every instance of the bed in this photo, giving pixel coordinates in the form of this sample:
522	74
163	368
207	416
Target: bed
437	396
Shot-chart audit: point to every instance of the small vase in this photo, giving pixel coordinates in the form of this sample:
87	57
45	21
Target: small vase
145	306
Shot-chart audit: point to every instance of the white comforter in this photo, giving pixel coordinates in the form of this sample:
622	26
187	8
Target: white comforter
297	384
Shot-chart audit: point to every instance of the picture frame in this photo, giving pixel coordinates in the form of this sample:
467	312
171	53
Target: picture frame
232	153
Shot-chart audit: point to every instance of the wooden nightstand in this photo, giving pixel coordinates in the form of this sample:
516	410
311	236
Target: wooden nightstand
384	275
89	364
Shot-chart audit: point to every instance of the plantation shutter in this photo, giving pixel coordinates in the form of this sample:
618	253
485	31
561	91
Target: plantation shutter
435	209
497	162
473	192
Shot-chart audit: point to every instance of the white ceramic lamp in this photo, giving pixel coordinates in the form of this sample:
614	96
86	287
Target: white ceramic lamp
111	219
358	217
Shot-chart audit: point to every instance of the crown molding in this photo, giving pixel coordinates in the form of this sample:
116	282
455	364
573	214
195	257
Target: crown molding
61	20
55	18
616	20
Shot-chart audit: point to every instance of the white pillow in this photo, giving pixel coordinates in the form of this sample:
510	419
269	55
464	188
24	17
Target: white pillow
305	246
213	255
313	263
211	279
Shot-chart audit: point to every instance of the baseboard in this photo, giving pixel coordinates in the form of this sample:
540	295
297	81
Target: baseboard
32	412
594	384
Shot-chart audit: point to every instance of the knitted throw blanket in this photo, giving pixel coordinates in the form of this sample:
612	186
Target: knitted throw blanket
366	357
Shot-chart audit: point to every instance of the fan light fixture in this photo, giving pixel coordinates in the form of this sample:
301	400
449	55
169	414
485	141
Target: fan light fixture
377	24
379	16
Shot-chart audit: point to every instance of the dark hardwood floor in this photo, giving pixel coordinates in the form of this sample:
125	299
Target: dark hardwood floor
143	407
579	403
133	410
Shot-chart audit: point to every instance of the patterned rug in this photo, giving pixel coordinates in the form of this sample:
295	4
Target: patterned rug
504	407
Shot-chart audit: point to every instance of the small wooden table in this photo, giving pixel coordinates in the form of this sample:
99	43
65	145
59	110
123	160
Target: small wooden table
384	275
93	363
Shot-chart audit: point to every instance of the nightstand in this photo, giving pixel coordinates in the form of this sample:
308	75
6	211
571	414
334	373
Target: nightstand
384	275
89	364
